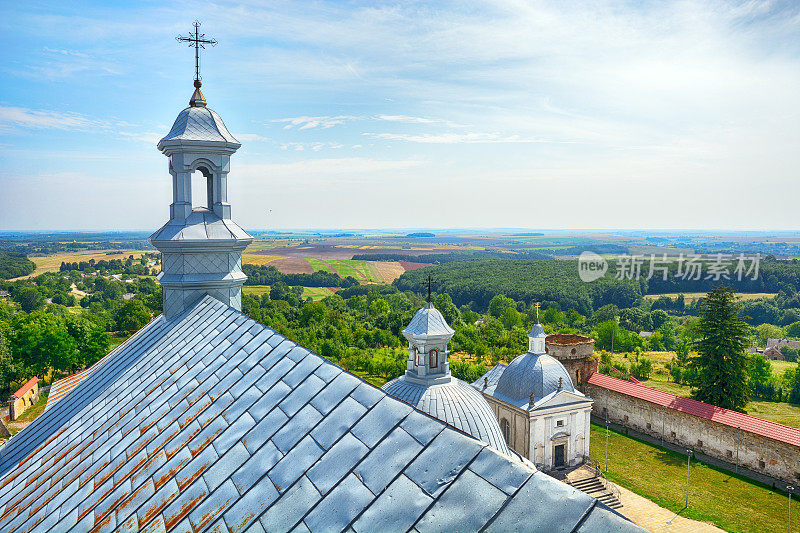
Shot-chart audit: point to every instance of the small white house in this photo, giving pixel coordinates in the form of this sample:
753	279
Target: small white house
541	414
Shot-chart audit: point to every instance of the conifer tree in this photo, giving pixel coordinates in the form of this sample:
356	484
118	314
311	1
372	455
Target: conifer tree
721	361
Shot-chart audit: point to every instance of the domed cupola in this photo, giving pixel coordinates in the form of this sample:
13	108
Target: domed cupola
429	386
532	376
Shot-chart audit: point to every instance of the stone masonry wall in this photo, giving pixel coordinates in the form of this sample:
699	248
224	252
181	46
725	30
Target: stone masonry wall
758	453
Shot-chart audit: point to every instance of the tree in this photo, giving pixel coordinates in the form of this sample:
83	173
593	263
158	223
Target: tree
29	299
10	369
642	368
659	316
721	363
42	342
499	304
131	316
605	313
794	395
767	331
760	373
793	330
92	340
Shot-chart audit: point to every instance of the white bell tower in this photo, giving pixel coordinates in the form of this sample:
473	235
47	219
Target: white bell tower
201	247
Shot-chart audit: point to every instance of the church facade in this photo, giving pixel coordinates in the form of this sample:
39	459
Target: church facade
541	413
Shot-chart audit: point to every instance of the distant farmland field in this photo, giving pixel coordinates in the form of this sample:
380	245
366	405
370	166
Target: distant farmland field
315	293
259	259
692	296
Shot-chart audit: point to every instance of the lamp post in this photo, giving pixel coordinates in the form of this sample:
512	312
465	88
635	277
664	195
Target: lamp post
688	462
606	444
789	489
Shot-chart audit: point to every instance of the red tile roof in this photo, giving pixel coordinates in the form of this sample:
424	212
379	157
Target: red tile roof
727	417
25	388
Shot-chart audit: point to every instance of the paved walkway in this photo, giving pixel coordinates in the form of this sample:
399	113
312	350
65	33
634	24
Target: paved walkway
656	519
649	515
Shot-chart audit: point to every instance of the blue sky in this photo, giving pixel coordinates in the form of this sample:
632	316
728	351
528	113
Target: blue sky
373	115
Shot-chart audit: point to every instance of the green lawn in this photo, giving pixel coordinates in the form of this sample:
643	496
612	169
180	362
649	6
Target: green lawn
730	502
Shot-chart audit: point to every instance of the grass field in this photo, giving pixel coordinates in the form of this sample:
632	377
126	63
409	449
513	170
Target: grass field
317	265
731	503
315	293
692	296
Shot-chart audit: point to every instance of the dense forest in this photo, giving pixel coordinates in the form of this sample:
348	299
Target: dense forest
550	282
557	282
14	265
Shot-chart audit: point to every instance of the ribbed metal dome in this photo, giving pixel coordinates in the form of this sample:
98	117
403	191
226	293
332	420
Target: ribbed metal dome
199	124
533	373
456	403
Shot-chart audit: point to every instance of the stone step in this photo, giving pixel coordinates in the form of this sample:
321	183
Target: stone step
594	487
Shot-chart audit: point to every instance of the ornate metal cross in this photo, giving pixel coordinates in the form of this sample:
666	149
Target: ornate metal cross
537	312
429	284
196	40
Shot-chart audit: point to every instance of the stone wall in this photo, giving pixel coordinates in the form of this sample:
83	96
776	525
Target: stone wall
755	452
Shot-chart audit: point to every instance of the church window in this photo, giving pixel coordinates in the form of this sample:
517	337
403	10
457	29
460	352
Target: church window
729	453
649	426
699	444
559	423
506	427
416	357
762	465
573	351
433	357
672	434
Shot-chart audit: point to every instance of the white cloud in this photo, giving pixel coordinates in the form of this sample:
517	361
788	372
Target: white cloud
44	119
452	138
250	137
306	123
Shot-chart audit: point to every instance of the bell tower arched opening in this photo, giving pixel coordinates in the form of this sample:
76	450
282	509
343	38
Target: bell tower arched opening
202	189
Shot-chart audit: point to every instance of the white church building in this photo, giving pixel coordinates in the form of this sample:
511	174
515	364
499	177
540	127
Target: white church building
542	415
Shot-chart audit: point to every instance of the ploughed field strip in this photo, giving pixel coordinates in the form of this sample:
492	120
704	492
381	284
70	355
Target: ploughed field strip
212	421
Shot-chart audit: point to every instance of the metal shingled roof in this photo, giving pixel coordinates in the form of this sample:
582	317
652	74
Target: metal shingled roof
213	422
428	321
199	124
456	403
527	374
765	428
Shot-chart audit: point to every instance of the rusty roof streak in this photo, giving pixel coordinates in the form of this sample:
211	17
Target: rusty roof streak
195	422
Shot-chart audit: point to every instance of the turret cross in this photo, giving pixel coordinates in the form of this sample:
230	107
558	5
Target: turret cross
429	284
537	312
196	40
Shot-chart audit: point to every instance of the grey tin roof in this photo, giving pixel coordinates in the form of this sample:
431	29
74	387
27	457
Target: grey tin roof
456	403
214	422
201	225
527	373
428	322
199	124
537	331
